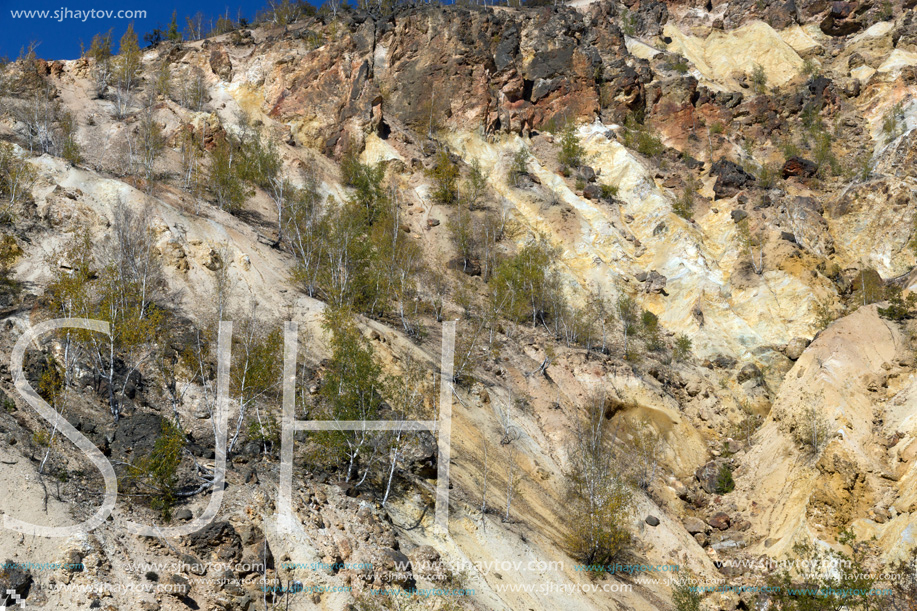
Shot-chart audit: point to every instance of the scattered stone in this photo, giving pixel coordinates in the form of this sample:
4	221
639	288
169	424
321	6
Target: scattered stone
176	585
694	525
190	564
795	348
719	520
738	216
701	539
652	520
73	561
432	222
749	371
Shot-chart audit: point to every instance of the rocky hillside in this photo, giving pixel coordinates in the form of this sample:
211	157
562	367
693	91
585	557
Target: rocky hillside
677	239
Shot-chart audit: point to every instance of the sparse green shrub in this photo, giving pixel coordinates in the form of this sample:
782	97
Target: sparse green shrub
810	428
685	595
831	579
759	79
679	65
682	349
571	153
366	180
747	426
41	438
628	315
628	22
893	122
684	205
265	430
899	308
824	155
445	175
520	165
811	68
886	11
651	331
790	149
475	186
525	287
609	191
724	481
717	128
637	136
351	390
164	80
157	473
767	175
226	182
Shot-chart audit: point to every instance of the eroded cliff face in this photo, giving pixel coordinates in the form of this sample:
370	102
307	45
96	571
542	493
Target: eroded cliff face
783	132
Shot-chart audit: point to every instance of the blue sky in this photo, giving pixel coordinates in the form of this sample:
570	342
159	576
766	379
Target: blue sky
60	39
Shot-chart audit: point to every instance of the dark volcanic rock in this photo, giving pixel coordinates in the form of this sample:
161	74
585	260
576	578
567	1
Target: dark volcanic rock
218	540
730	178
15	579
840	20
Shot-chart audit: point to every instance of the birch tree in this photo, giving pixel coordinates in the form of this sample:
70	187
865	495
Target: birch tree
126	74
600	500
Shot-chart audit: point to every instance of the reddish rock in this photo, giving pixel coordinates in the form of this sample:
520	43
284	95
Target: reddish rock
719	521
221	64
797	166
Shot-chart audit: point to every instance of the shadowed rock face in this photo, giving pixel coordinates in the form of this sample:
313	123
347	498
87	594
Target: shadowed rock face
428	68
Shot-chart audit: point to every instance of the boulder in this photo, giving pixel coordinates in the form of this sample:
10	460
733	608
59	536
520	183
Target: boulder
797	166
176	585
749	371
592	191
218	540
585	173
707	476
221	64
730	179
795	348
840	20
653	282
719	520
